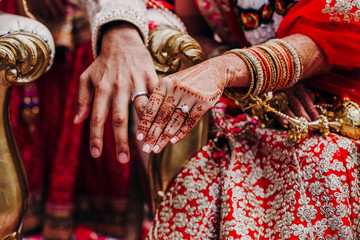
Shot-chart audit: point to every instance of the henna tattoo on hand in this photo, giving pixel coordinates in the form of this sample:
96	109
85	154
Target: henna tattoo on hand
161	120
203	82
165	111
173	125
190	122
150	112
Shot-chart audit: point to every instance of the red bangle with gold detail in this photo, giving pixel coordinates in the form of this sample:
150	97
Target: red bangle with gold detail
266	68
291	65
278	66
283	66
272	70
261	70
288	63
296	57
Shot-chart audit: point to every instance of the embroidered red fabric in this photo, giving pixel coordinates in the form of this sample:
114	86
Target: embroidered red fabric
336	29
263	187
260	185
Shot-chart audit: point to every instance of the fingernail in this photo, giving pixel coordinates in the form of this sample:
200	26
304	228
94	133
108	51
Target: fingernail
156	149
140	137
76	118
123	158
146	148
174	140
95	152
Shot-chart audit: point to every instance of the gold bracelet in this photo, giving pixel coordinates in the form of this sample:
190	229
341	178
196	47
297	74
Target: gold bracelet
258	69
233	93
279	65
271	77
297	59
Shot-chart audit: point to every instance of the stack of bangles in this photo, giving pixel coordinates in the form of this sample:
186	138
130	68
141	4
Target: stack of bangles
273	65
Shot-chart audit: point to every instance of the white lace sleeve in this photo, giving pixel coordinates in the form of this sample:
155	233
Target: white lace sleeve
101	12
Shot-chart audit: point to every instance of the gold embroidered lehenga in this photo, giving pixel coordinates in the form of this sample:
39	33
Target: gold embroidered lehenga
251	182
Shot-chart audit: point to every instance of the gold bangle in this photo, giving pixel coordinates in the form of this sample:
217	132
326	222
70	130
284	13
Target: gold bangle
297	59
258	70
233	93
288	61
271	76
279	67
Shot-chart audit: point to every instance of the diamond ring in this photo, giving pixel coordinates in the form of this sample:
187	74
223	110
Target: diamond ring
184	109
138	94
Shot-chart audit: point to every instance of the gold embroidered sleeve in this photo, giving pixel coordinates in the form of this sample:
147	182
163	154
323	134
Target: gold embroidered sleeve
101	12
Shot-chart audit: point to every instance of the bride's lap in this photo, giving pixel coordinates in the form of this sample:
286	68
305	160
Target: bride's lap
265	187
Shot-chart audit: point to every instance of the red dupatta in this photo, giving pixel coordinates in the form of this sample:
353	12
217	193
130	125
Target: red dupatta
337	31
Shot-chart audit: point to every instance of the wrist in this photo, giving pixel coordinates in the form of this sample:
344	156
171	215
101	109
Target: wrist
241	74
119	33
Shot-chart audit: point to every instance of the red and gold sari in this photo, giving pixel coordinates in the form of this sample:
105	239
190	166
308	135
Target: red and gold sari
256	184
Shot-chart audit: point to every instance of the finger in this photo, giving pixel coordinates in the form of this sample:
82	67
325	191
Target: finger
140	105
176	121
140	101
150	112
120	120
163	116
194	116
287	112
153	79
296	107
85	97
98	117
306	101
311	94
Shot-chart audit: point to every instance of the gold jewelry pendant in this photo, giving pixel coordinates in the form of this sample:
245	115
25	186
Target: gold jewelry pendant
343	117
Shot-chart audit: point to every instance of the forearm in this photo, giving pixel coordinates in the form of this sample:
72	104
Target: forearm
312	57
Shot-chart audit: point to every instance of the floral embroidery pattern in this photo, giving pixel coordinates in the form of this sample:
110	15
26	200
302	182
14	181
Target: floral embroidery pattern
264	188
343	10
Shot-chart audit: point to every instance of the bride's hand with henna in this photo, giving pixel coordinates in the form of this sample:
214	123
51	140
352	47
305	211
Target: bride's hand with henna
181	99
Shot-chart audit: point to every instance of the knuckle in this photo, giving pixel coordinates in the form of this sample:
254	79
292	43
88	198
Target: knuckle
182	132
118	120
165	136
141	107
144	126
101	88
83	101
166	81
121	143
83	77
95	139
117	85
95	120
80	105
